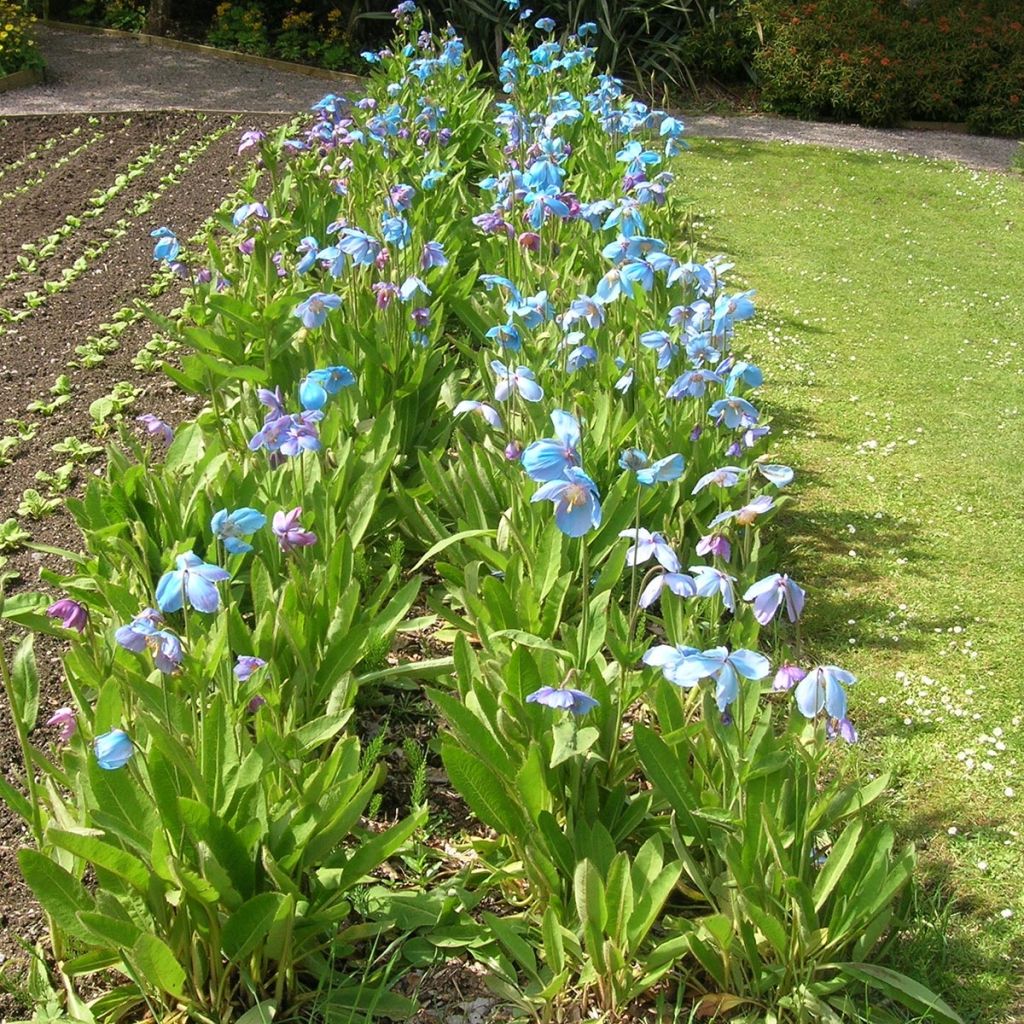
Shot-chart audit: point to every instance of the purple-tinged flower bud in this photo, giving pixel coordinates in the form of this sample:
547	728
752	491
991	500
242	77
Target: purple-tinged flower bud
156	427
423	137
726	718
716	544
444	136
421	316
246	246
381	260
529	240
841	728
733	451
289	531
246	665
696	432
204	275
256	703
385	292
71	613
251	138
64	719
513	451
179	270
788	676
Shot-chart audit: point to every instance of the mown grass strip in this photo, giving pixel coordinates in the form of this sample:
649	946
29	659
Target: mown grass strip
893	335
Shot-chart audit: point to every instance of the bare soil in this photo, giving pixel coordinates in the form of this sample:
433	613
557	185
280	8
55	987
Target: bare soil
34	351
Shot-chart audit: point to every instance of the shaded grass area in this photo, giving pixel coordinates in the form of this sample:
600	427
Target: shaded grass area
891	331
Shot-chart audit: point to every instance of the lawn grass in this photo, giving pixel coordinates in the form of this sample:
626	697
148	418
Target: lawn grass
891	332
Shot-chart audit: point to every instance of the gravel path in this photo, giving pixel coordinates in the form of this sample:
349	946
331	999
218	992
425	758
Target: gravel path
89	72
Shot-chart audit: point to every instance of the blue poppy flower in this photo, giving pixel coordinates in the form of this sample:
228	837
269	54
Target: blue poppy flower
663	471
433	256
482	409
668	657
735	413
649	545
395	230
748	514
575	497
167	245
113	749
727	476
167	652
549	458
582	355
533	310
520	379
491	281
781	476
318	385
247	210
193	579
771	593
246	665
507	336
710	581
229	527
661	343
746	373
678	582
362	248
563	699
692	384
584	308
822	690
410	286
725	668
633	459
310	249
313	311
135	635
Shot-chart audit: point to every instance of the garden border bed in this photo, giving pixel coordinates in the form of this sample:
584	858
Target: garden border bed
21	79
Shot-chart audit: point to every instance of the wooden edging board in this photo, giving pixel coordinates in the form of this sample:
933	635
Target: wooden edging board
19	79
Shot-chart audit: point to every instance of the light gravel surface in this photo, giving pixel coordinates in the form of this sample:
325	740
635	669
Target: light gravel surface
87	72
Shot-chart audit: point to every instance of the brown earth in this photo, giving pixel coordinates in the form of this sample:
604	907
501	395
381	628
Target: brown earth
34	351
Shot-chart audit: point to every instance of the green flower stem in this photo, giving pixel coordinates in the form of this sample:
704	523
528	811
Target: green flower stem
585	610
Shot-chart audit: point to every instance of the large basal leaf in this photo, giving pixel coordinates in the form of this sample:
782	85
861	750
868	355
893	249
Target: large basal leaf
250	924
482	789
904	990
60	893
157	965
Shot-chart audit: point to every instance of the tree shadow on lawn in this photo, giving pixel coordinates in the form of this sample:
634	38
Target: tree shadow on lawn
814	546
940	948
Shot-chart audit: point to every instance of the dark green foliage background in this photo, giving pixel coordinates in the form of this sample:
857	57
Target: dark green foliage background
880	63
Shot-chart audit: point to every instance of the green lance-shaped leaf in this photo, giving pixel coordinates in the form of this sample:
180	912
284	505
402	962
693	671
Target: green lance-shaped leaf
250	924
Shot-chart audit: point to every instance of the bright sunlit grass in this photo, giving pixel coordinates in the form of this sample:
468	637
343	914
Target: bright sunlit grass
891	319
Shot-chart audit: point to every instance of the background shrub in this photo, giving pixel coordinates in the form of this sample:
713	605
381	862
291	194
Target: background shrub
17	47
879	62
883	62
